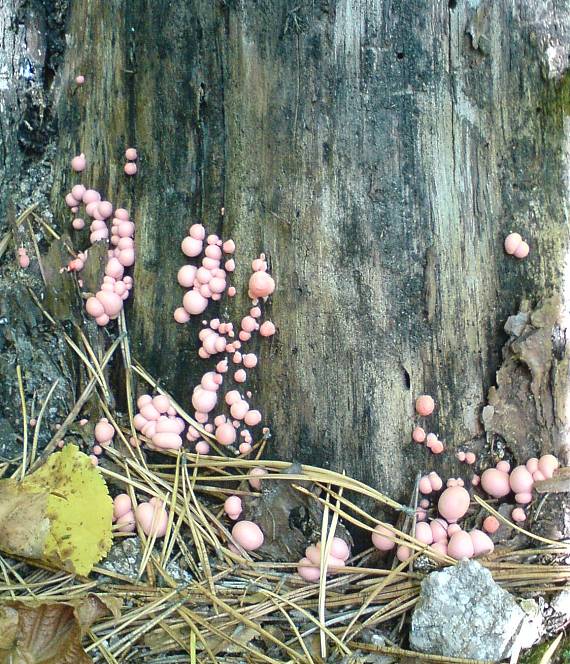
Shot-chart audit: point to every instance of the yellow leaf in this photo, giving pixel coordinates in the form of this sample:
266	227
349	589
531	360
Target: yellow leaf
60	514
79	509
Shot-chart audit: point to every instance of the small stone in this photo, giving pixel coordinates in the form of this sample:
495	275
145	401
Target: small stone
462	612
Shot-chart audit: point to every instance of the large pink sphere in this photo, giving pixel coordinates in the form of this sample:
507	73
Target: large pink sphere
495	483
194	303
261	284
381	538
453	503
248	535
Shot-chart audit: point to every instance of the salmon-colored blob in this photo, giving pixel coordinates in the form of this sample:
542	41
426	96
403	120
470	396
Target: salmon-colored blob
152	518
248	535
382	538
437	447
425	485
403	553
253	476
240	376
482	543
521	480
248	324
518	515
194	303
104	431
79	163
470	458
203	400
435	481
418	435
229	247
491	524
475	480
181	315
202	447
460	546
233	507
512	241
225	434
252	418
453	503
439	530
131	154
308	571
231	291
547	464
80	80
130	168
423	533
532	465
244	448
121	505
523	498
267	329
503	466
239	409
495	483
425	405
233	396
522	250
261	285
197	231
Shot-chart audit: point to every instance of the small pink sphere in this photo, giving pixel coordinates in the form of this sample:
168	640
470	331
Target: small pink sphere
249	360
104	431
181	315
482	543
261	285
491	524
495	483
77	192
122	214
547	464
267	329
203	400
80	80
131	154
121	505
521	480
460	546
248	535
382	538
403	553
229	247
186	275
437	447
231	291
518	515
225	434
197	231
424	405
453	503
71	201
233	507
470	458
240	376
418	435
503	466
105	209
523	498
91	196
239	409
194	303
244	448
248	324
460	456
79	163
308	571
253	476
233	396
532	465
130	168
191	247
161	402
126	257
512	241
213	251
425	485
202	447
152	518
522	250
435	481
78	224
230	265
252	418
423	533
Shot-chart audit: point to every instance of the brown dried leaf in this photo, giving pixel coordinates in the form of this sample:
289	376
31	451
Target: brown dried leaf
34	632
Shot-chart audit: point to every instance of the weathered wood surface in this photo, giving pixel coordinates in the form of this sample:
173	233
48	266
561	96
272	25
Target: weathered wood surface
378	152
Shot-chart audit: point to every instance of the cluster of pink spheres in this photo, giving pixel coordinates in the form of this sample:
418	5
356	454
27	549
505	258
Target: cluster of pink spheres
108	302
309	566
157	420
207	281
23	258
444	534
424	408
516	246
131	156
151	516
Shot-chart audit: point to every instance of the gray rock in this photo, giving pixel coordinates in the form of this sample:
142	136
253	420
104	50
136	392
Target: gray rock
462	612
